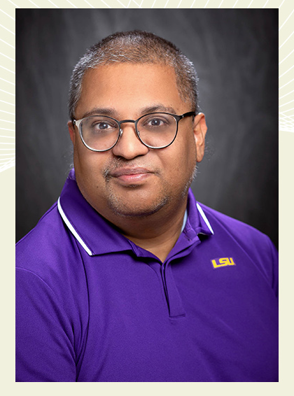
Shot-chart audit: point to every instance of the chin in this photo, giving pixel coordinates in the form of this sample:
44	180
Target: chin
135	209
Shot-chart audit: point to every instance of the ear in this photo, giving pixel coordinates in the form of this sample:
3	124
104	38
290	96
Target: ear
71	130
200	129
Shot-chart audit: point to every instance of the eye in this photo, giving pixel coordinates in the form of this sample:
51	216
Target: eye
156	122
101	125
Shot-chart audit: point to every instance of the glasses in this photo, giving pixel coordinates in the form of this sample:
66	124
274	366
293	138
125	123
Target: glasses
154	130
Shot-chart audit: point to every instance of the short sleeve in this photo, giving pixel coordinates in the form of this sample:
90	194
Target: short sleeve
44	335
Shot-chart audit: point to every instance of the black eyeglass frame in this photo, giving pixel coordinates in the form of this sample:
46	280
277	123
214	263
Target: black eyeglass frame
176	117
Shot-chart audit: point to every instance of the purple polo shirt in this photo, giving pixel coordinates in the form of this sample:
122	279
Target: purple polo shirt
93	306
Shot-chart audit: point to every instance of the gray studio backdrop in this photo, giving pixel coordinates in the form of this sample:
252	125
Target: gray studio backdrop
236	56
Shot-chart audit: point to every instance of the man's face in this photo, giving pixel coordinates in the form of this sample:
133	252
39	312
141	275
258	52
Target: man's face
132	179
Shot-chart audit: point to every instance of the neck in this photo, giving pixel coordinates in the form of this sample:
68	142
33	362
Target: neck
157	233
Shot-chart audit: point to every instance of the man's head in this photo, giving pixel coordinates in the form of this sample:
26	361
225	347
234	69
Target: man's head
131	180
136	47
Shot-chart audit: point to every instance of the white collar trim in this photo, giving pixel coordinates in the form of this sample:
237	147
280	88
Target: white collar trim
71	228
204	217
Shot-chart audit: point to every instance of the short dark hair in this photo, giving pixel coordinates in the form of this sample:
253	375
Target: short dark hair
136	47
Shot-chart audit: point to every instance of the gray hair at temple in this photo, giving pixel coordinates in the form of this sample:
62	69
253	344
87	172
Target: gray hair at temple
136	47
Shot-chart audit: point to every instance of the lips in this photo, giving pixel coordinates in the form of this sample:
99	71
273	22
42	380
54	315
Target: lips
131	175
129	171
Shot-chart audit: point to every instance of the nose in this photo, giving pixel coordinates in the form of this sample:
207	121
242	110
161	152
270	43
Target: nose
129	146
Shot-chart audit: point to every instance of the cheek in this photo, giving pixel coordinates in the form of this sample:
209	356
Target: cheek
88	167
185	158
181	163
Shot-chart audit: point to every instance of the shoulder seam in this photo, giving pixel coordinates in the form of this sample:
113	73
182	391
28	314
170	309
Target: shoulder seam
37	276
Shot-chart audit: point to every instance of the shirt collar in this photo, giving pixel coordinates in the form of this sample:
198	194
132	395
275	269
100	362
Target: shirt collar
196	222
97	236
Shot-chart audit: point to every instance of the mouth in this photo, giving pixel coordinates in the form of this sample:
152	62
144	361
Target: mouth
131	176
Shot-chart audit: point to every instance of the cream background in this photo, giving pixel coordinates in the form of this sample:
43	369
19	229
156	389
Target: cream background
7	210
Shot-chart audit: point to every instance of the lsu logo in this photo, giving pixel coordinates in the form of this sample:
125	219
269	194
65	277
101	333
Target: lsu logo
222	262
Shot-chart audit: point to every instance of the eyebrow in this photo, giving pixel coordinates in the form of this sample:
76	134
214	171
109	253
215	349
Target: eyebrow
157	107
111	112
103	111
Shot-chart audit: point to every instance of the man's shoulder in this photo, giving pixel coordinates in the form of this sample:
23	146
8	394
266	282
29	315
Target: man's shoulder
232	232
47	244
231	225
44	230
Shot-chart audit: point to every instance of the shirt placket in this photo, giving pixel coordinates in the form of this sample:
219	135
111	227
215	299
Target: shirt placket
174	300
172	296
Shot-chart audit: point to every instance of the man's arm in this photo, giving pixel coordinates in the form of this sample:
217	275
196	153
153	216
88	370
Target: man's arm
44	334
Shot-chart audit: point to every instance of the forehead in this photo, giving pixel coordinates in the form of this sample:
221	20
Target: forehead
129	87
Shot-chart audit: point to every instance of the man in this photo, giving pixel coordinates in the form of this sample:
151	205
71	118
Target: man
127	277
